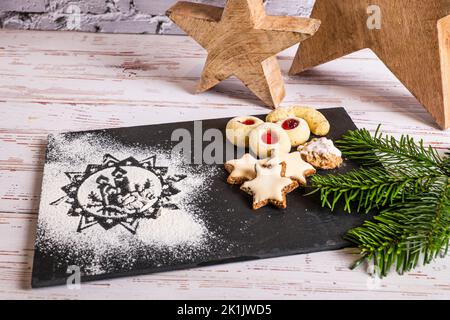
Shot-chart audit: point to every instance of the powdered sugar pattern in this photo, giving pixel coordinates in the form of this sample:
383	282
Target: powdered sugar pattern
175	236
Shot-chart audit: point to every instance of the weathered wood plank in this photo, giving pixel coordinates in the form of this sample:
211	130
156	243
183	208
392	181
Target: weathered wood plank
52	82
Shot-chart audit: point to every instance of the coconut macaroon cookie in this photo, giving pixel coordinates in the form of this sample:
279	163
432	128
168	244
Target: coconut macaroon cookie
239	128
267	137
297	130
321	153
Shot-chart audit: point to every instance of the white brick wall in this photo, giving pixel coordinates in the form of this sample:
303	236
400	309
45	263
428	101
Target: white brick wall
23	6
114	16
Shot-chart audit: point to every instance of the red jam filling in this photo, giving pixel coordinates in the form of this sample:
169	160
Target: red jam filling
248	122
270	137
290	124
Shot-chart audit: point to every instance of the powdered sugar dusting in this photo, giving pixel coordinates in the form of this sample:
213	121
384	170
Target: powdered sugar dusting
172	228
176	235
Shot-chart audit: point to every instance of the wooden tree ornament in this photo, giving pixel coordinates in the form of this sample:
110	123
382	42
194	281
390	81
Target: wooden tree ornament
413	40
242	40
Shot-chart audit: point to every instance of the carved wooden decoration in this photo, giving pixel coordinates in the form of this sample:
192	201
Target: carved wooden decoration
242	41
412	37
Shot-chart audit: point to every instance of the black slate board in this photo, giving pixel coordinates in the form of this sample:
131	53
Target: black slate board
241	233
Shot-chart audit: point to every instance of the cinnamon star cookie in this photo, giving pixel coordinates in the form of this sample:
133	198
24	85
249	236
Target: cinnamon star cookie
296	168
242	169
269	186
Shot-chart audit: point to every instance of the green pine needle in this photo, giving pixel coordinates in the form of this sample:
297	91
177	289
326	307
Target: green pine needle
408	185
406	233
447	161
369	188
371	150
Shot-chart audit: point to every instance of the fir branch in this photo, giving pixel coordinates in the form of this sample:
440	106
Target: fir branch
447	161
370	188
411	182
373	150
418	228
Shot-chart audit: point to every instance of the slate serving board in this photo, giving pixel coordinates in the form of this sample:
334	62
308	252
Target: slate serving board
239	232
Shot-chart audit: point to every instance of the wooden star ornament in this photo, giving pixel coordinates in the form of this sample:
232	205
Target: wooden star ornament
412	37
242	41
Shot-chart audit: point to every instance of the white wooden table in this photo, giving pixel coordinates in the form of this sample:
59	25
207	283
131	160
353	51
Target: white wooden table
60	81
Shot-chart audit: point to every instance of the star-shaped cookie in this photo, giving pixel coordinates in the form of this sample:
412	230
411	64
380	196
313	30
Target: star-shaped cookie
296	168
242	41
269	186
242	169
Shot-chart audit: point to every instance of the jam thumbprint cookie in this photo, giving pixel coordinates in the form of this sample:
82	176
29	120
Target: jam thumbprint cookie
267	137
239	128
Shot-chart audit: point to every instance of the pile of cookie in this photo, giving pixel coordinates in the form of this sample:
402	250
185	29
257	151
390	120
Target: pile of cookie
271	170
